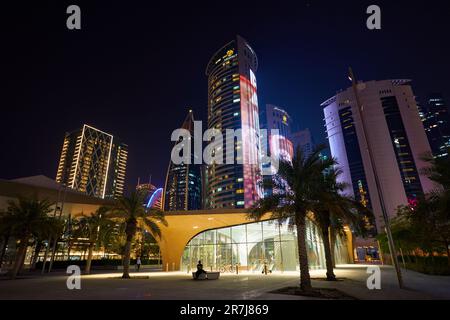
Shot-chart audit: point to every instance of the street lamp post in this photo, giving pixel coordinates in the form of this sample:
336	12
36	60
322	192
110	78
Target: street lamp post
377	182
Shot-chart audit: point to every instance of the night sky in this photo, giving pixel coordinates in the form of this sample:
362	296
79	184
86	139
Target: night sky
135	68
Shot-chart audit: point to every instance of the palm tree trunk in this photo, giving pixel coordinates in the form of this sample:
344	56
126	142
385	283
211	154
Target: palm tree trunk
126	258
328	257
305	279
36	255
69	248
446	246
333	246
89	258
20	257
4	246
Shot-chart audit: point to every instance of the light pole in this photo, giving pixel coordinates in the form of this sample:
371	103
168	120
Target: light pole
377	182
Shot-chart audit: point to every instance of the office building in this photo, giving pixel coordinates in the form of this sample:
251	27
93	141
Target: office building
395	136
93	162
277	122
436	122
153	195
183	187
233	104
303	139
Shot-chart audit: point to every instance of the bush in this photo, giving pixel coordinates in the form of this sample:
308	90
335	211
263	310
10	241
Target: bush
428	265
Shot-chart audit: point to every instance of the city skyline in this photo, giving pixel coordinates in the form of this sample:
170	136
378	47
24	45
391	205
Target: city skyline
202	152
299	82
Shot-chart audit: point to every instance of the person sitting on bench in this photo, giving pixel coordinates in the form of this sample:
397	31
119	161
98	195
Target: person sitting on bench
199	269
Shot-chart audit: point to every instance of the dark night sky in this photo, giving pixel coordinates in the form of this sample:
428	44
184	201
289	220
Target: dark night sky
135	68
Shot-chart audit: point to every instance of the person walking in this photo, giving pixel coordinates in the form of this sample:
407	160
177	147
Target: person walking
138	263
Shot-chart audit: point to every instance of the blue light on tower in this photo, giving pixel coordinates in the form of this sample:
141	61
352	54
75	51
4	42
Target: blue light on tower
153	197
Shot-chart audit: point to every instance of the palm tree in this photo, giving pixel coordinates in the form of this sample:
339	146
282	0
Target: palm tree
93	227
131	208
332	210
4	234
296	185
26	218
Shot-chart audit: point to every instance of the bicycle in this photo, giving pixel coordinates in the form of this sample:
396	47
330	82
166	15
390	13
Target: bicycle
227	268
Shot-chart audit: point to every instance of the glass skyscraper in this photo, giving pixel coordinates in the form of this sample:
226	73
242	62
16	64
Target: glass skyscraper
436	122
233	104
93	162
183	188
280	145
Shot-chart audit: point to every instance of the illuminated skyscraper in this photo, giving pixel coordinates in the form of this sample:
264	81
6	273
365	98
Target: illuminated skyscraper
280	146
278	119
394	134
153	198
436	122
93	162
183	189
233	104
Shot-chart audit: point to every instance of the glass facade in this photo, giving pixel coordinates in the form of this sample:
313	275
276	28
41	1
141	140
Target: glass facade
402	149
355	163
436	121
183	188
253	245
233	104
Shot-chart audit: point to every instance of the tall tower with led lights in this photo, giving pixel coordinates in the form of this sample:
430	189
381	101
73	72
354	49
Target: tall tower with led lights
93	162
233	104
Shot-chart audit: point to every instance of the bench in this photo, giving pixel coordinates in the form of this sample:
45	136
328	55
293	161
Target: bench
207	276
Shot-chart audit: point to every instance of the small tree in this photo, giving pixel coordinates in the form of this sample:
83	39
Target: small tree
427	226
25	218
332	210
5	234
95	227
296	187
132	210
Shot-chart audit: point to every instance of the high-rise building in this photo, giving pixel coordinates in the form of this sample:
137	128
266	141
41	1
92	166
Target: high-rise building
436	122
233	104
93	162
153	198
280	146
278	119
303	139
394	134
183	189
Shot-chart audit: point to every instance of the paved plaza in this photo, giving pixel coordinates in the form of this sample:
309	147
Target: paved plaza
180	286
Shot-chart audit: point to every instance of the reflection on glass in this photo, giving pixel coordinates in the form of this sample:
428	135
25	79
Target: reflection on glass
252	246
